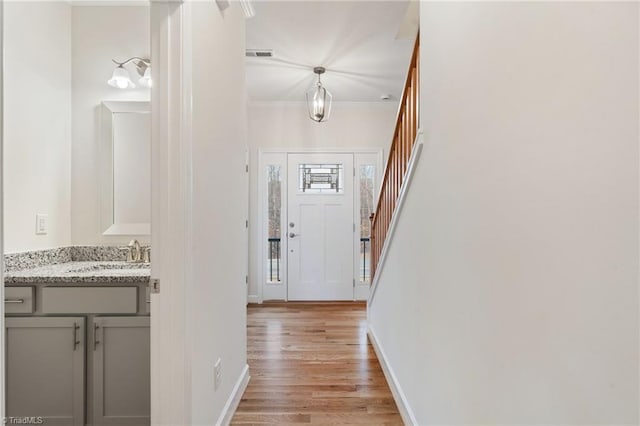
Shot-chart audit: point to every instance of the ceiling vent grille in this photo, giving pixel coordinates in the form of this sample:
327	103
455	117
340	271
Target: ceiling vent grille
259	53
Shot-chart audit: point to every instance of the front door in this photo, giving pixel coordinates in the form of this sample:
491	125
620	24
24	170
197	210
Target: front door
319	227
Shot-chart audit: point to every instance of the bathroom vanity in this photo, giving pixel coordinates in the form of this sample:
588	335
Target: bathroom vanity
78	343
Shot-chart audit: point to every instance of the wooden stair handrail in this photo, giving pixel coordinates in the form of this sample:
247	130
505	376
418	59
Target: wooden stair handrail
404	135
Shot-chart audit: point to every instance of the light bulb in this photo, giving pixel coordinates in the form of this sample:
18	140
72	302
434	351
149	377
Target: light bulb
318	103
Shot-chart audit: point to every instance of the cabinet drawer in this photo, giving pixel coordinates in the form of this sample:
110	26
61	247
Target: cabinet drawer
18	300
88	300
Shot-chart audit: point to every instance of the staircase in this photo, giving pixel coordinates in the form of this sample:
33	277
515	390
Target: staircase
404	138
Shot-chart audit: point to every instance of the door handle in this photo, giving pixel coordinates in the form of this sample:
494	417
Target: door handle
292	235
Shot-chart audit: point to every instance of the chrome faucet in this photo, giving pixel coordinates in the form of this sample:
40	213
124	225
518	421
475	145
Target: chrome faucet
146	255
135	252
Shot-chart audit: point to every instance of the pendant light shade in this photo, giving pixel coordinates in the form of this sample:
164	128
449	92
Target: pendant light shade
145	80
319	100
120	79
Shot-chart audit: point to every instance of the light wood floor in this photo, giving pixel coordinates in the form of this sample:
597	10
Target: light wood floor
311	363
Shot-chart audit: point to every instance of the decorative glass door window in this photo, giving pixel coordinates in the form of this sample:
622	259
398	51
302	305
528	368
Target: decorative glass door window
321	178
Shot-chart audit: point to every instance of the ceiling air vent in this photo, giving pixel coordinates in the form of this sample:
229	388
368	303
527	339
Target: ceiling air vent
259	53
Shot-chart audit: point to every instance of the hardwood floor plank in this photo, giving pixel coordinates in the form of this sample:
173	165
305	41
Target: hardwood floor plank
311	363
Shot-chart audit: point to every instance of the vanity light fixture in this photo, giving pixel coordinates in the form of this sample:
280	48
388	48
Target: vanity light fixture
319	99
121	78
145	80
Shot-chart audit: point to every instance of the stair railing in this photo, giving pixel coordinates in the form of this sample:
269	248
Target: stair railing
404	136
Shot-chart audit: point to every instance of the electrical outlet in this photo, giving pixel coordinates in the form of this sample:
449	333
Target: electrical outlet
42	224
217	374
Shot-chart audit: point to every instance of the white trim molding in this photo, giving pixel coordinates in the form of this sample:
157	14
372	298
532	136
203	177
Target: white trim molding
413	161
171	336
321	151
234	399
408	418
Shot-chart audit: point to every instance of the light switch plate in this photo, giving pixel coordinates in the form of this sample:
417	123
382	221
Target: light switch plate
42	224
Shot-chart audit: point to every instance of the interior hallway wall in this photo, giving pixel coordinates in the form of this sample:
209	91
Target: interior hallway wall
510	294
217	307
37	124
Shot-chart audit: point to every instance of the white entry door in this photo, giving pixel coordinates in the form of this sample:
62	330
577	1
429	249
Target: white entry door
319	227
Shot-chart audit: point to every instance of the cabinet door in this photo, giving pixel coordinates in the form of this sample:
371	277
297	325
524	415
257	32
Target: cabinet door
121	371
45	369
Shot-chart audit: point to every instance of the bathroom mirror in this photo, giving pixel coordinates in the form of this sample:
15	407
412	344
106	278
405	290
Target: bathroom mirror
125	162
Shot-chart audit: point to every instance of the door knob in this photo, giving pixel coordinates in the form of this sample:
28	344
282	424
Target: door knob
292	235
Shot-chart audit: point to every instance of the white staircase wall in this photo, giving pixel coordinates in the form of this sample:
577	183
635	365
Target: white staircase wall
510	291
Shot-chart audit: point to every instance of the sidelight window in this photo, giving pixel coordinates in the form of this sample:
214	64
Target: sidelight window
366	179
274	214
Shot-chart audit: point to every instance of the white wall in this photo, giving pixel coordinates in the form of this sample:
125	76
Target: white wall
275	125
510	294
217	304
100	34
2	338
37	123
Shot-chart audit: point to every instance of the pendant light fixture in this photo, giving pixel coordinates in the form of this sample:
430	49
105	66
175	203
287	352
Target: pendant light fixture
319	99
121	79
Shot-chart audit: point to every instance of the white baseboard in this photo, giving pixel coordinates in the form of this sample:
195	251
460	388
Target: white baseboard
398	395
234	400
252	298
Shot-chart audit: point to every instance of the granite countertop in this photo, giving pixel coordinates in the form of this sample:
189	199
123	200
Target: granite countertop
82	272
75	264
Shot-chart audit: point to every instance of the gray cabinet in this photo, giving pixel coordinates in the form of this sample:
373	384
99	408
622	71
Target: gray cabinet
18	300
120	351
45	362
85	365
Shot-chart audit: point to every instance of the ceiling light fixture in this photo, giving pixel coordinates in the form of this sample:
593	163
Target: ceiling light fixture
319	99
121	78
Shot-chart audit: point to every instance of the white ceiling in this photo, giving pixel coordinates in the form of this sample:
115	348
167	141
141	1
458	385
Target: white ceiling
356	41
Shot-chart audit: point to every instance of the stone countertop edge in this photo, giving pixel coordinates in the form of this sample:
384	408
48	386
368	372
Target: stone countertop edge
61	280
48	257
103	272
